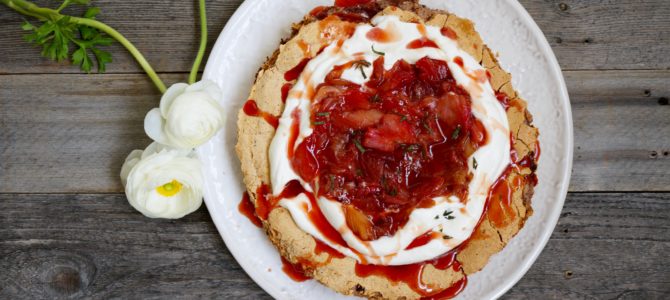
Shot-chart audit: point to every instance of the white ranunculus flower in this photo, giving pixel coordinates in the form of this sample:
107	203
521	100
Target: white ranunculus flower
163	182
188	115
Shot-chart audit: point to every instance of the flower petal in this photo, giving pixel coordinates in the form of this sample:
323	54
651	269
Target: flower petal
169	96
209	87
132	159
154	126
159	165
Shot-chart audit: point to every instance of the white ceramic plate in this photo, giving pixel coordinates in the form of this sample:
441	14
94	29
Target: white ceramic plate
255	31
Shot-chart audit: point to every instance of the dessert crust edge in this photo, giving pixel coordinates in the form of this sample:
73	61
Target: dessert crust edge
295	245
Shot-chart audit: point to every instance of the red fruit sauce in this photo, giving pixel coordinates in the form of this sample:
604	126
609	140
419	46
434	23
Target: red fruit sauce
383	148
382	36
411	274
284	91
294	271
422	43
448	32
349	3
423	239
251	109
294	73
247	209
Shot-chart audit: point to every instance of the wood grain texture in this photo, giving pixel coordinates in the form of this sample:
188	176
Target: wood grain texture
622	130
605	246
67	133
605	34
71	132
56	138
610	245
595	34
79	246
166	32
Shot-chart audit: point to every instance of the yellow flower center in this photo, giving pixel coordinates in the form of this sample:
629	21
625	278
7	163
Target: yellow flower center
169	189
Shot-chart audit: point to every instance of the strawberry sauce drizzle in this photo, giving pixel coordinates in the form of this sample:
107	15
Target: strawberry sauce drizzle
382	36
294	271
451	292
266	202
422	43
294	132
285	89
459	61
423	240
448	32
247	209
294	73
411	274
251	109
350	3
322	247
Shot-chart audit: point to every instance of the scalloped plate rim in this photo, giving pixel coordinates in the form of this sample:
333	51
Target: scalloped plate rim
222	220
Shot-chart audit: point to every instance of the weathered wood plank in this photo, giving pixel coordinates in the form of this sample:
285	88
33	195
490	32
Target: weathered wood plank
622	130
74	246
596	34
71	133
605	34
166	32
606	245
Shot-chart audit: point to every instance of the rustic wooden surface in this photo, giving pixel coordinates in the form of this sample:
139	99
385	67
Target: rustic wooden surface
66	230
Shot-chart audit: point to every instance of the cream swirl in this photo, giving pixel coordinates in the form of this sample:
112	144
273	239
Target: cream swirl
492	158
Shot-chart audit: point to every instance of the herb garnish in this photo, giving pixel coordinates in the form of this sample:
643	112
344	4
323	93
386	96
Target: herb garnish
447	215
323	114
359	146
332	182
318	123
393	192
410	148
377	52
59	33
456	132
424	124
474	163
446	237
375	98
360	64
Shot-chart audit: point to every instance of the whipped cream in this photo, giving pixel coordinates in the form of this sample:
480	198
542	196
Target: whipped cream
491	159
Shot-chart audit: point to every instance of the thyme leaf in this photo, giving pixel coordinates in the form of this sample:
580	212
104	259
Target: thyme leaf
377	52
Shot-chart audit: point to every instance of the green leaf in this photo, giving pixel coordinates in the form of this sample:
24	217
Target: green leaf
102	40
87	33
55	36
27	26
103	57
81	58
92	12
78	56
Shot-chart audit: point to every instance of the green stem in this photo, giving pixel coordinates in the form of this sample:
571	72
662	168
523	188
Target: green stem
63	5
203	43
30	9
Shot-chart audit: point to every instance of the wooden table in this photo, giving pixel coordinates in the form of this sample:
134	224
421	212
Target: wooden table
66	229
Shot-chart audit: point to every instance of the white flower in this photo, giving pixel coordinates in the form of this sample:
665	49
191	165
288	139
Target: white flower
163	182
187	117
